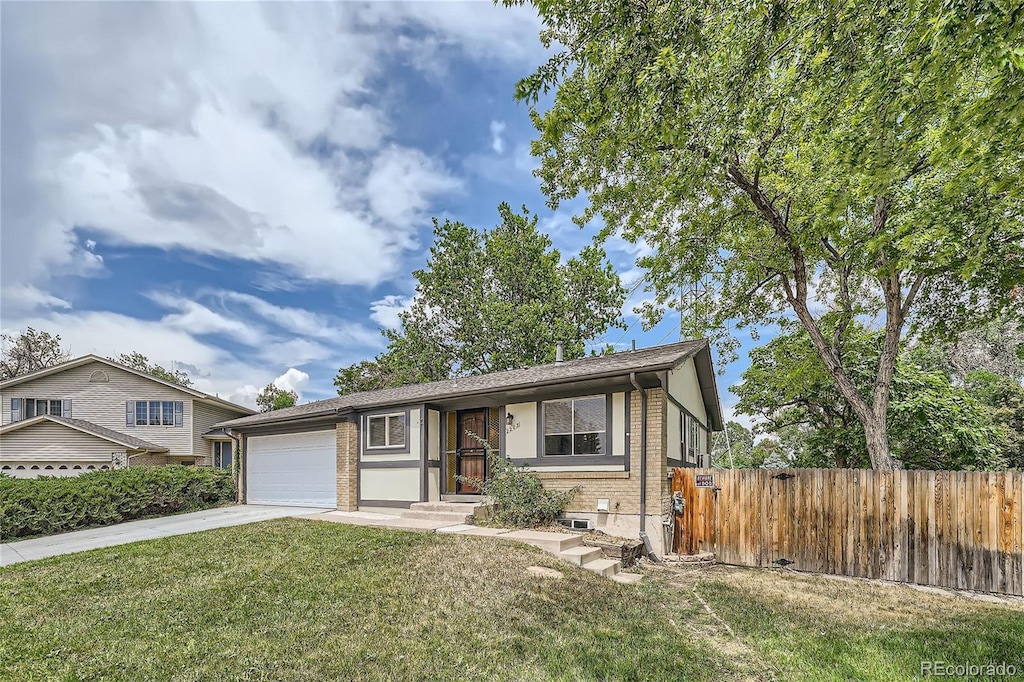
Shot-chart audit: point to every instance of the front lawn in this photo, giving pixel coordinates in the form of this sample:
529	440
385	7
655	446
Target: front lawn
302	600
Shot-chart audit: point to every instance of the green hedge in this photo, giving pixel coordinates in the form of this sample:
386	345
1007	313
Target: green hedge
44	506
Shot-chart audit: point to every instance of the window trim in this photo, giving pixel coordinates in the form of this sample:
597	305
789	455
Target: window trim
386	449
176	413
692	432
62	404
606	458
218	454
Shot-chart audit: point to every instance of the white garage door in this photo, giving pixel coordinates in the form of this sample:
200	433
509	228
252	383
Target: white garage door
294	469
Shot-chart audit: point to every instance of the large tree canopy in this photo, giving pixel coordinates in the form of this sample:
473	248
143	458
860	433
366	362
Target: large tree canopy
933	424
867	155
492	300
30	351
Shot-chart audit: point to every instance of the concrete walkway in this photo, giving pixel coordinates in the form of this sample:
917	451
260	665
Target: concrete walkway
133	531
565	546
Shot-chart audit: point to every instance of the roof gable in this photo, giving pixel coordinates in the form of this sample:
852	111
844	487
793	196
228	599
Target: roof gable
86	359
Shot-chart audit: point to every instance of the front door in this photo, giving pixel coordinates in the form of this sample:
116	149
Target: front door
471	457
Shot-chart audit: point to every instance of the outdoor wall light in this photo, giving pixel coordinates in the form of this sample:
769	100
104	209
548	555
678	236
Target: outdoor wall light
509	418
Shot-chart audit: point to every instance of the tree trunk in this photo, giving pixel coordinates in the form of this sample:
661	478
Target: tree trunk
876	435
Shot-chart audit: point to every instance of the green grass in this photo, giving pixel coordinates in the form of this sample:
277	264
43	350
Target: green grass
818	628
301	600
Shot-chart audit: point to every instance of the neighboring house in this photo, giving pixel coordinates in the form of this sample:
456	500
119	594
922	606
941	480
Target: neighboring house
611	424
92	413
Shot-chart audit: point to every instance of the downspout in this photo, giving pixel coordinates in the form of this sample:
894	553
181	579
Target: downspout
643	469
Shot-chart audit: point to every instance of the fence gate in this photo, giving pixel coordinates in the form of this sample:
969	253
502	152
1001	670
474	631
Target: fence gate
959	529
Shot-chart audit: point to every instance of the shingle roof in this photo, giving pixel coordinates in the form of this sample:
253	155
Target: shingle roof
647	359
90	428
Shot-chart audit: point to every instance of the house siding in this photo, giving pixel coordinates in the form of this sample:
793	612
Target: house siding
205	416
103	403
49	442
685	387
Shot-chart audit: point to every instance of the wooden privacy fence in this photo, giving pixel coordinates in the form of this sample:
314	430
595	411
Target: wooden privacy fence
958	529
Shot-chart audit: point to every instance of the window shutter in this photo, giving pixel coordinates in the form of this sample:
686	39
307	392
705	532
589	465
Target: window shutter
16	409
129	413
179	408
65	408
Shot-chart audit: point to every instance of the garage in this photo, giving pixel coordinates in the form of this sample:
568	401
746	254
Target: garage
297	469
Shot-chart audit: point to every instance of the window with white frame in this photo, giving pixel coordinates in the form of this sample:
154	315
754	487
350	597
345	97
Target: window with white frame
35	407
386	430
575	426
154	413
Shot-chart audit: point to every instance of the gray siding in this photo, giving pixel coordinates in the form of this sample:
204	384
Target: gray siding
103	403
54	443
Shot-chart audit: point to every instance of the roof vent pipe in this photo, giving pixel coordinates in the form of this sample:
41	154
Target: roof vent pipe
559	352
634	345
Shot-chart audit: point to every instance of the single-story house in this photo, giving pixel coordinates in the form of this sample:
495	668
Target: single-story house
613	425
93	413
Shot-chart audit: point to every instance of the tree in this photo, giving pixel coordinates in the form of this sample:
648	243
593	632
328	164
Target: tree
864	156
273	398
1004	398
30	351
932	423
996	347
493	300
731	447
140	362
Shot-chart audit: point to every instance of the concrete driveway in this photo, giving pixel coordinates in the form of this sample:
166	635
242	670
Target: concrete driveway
133	531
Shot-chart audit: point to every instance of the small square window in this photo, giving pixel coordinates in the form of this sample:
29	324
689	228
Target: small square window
386	431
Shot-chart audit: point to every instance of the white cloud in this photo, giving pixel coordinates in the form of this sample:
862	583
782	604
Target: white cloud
27	297
190	126
387	310
400	182
497	143
304	322
293	380
196	319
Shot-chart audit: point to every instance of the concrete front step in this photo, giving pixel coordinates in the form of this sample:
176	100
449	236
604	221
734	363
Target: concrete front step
455	512
460	507
453	518
553	543
581	555
474	499
627	578
604	567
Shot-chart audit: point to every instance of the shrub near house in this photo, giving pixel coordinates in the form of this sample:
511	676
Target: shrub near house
44	506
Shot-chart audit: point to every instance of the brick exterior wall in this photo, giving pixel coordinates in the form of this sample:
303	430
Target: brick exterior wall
622	488
148	460
347	459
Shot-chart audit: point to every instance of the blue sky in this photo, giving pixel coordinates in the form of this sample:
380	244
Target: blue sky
243	190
